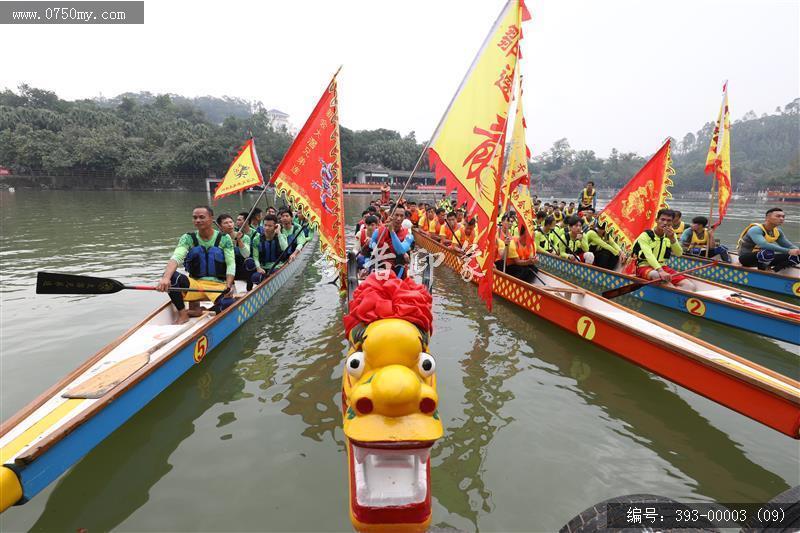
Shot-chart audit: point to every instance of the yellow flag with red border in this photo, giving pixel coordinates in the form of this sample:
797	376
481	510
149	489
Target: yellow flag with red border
244	172
516	173
467	148
718	160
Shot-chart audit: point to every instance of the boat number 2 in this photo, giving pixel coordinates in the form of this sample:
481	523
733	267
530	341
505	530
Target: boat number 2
695	307
586	328
200	348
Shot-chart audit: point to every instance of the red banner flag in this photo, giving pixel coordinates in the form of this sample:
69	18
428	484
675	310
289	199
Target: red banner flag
634	208
310	174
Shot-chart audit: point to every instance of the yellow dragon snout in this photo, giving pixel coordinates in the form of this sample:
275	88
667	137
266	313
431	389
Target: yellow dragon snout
394	391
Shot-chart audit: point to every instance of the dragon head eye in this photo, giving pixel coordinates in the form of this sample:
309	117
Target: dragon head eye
426	364
355	364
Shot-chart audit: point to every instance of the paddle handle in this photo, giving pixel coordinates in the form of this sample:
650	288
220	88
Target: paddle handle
699	267
176	289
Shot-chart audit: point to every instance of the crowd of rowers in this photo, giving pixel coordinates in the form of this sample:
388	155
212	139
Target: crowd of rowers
221	250
573	232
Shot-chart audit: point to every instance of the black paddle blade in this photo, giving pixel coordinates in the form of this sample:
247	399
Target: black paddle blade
55	283
619	291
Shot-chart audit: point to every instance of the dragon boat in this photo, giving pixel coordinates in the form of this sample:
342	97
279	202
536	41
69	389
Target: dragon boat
389	401
713	301
785	282
723	377
59	427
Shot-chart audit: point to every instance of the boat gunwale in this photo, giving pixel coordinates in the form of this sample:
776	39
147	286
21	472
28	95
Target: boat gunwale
740	267
758	297
793	398
137	377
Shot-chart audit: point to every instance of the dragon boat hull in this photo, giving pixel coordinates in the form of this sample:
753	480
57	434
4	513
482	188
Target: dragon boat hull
747	388
59	427
712	301
786	282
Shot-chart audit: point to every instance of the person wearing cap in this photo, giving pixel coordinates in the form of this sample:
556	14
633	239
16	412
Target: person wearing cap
696	239
606	252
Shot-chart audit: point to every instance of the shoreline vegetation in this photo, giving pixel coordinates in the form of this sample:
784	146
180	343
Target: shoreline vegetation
145	141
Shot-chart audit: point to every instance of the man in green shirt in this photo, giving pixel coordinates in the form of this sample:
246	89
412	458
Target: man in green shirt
606	252
543	232
654	247
267	250
570	245
294	235
242	246
209	259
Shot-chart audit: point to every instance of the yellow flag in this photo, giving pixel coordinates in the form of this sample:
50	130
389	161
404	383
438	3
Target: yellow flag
244	172
718	160
516	172
523	205
466	149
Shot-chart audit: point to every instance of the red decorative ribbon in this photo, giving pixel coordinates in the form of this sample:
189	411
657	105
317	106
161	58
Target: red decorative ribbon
393	298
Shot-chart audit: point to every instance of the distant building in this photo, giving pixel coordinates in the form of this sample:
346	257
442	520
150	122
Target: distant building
378	174
279	119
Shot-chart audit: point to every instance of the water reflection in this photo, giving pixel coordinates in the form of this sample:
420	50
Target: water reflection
115	478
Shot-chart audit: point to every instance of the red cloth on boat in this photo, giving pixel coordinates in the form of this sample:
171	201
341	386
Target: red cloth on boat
642	272
393	298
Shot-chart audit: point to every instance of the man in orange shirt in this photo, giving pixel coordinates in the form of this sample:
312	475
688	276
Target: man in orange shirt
428	222
466	236
412	212
448	229
521	256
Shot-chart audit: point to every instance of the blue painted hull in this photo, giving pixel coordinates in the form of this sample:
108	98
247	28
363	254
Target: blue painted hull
694	304
746	277
48	466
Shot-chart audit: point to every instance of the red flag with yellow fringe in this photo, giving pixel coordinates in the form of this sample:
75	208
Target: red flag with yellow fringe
466	150
719	155
244	172
634	208
310	175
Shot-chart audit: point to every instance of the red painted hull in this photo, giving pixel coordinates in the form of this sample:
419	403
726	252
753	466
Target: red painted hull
772	407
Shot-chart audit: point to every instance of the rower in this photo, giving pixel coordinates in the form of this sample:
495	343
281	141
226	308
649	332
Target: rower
240	218
766	246
466	236
678	226
606	252
393	240
588	218
504	232
267	250
571	245
302	221
521	257
654	247
413	212
255	220
542	236
272	211
558	216
448	229
459	216
241	249
428	223
208	257
571	210
436	226
368	228
695	240
588	197
294	236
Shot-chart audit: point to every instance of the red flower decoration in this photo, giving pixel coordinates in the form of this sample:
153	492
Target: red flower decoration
393	298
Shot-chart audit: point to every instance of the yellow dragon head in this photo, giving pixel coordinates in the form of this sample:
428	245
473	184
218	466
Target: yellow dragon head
389	403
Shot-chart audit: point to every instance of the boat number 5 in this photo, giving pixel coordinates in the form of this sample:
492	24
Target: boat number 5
200	348
695	307
586	328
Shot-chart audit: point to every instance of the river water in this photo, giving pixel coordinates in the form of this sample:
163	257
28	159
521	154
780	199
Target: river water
539	424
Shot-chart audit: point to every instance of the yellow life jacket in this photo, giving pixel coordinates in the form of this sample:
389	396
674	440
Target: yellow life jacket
569	212
586	198
769	237
557	216
680	229
698	241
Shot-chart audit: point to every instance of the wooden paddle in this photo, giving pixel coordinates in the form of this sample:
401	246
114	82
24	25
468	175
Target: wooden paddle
55	283
99	384
625	289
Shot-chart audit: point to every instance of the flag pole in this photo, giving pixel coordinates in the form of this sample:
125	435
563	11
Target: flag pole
710	215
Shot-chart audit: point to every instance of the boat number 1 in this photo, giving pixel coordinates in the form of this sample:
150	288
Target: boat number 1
695	307
200	348
586	328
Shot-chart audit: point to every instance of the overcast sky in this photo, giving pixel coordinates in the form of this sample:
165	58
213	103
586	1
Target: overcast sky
612	73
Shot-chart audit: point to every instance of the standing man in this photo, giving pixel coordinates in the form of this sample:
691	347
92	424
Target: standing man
208	257
766	246
386	192
654	247
588	197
